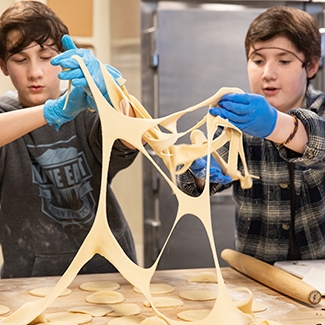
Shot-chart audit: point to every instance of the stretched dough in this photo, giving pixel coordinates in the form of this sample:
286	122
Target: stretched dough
115	125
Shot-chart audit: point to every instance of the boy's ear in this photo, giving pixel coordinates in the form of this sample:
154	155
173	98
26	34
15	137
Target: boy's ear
3	67
312	69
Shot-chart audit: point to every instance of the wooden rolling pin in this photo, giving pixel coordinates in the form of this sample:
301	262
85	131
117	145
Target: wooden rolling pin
272	277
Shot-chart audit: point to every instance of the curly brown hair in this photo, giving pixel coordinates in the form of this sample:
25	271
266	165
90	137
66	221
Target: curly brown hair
35	22
295	24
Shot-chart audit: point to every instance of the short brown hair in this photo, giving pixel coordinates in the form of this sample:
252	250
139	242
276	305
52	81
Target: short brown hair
35	22
295	24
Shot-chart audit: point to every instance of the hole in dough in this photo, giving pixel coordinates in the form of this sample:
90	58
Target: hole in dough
99	285
105	297
157	288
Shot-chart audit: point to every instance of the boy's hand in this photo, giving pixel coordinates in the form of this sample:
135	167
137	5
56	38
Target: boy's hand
251	113
199	170
56	115
75	73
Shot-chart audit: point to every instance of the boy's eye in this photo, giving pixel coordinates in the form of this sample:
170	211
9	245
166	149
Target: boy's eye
284	62
19	60
258	62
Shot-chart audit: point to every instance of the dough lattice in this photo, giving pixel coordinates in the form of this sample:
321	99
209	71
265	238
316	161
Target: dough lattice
115	125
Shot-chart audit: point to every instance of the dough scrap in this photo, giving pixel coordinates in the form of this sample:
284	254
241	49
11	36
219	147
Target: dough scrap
125	309
199	295
100	238
127	320
105	297
44	291
4	310
93	310
203	277
68	317
164	302
157	288
99	285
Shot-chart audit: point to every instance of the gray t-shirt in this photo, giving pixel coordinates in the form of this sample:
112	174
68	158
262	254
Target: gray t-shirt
49	190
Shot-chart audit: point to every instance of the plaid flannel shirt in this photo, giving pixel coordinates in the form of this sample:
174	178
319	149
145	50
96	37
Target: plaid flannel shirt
263	213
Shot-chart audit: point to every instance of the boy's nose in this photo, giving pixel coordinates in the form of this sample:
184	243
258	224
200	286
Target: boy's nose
269	72
35	70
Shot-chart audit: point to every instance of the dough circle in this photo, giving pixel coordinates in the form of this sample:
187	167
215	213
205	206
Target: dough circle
126	309
93	310
68	317
127	320
203	277
193	315
4	310
165	302
199	295
105	297
157	288
43	291
154	320
99	285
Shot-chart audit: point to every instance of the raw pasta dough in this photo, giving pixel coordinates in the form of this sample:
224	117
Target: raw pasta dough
199	295
4	310
157	288
99	285
100	239
126	309
93	310
43	291
68	317
204	277
105	297
164	302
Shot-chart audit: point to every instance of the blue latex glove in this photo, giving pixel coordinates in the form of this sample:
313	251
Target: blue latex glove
75	73
53	109
199	170
251	113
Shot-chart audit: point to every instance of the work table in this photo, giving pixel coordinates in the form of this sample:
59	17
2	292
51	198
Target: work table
15	292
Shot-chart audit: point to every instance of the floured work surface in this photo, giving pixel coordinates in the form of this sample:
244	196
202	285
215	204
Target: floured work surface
14	293
115	125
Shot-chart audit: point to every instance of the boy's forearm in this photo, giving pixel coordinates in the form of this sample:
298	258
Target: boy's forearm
14	125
